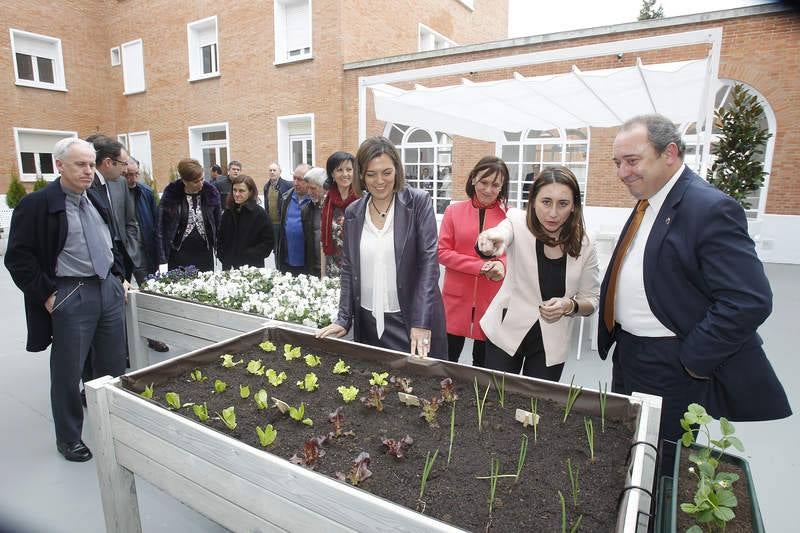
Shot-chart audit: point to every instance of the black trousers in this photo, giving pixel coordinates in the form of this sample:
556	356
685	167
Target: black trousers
455	344
88	313
529	358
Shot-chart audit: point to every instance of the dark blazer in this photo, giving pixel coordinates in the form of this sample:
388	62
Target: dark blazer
145	202
124	213
282	186
705	283
173	214
310	215
417	263
37	236
281	250
223	185
245	236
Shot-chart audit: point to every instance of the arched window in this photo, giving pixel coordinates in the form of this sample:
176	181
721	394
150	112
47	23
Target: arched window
526	154
427	160
757	199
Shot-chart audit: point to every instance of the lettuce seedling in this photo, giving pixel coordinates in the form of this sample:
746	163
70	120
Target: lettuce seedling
448	390
404	384
358	472
267	346
228	417
310	383
341	368
261	398
220	386
244	391
197	375
429	410
200	411
227	361
267	435
336	419
312	360
375	397
296	414
379	379
147	392
348	393
290	353
312	450
274	378
256	367
173	400
398	447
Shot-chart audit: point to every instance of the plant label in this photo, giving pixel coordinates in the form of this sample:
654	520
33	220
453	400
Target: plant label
283	407
408	399
526	418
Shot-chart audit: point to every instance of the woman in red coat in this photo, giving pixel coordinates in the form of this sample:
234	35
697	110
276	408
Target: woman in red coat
470	282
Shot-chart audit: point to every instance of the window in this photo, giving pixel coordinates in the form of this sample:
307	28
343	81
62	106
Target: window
432	40
137	145
116	58
757	199
133	67
427	161
292	30
209	144
38	61
35	151
203	49
295	140
527	153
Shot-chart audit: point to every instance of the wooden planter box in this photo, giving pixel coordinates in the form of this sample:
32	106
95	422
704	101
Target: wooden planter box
246	489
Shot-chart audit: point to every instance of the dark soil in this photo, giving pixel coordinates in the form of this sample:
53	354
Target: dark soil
687	486
453	493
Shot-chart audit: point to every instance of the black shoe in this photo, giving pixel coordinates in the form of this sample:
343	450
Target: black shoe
83	397
74	451
157	345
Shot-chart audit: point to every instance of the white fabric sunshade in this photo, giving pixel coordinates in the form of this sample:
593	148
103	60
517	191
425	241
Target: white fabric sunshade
599	98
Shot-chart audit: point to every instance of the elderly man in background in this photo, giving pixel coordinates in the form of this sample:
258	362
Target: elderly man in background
290	248
310	214
60	254
274	189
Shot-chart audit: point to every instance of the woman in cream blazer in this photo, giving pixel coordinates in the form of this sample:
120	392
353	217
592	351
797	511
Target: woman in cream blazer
551	279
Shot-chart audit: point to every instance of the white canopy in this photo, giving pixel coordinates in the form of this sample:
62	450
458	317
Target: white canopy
599	98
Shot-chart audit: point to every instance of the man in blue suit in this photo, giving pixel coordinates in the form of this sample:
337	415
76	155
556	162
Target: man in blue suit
687	293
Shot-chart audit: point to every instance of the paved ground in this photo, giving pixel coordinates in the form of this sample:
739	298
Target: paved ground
39	491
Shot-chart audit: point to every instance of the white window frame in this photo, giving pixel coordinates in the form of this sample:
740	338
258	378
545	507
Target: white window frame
59	82
469	4
32	177
196	144
195	48
285	139
279	16
125	73
116	56
425	33
145	160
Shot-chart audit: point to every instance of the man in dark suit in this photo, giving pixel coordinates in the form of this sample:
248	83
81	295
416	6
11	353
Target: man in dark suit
687	293
60	254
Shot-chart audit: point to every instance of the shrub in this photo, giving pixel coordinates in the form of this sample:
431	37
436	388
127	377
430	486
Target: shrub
16	190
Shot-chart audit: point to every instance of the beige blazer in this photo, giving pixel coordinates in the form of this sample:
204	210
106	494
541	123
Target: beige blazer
521	296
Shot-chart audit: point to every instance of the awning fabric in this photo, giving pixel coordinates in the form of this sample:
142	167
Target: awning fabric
599	98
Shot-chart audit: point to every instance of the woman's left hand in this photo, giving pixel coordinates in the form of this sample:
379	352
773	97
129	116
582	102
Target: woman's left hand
555	308
420	342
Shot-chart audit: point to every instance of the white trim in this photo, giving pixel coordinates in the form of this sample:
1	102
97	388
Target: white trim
123	138
59	80
116	56
422	27
279	32
17	131
145	163
284	144
194	76
195	150
126	92
469	4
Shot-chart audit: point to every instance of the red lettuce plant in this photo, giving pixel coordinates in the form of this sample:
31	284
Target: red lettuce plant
448	390
398	448
358	472
336	419
403	384
430	409
312	450
375	397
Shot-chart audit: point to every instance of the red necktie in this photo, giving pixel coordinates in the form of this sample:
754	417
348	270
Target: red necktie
608	314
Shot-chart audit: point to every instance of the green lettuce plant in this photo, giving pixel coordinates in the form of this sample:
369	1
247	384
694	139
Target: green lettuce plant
309	383
244	391
298	414
228	362
267	346
261	398
341	368
274	378
200	411
173	400
290	352
379	379
312	360
220	386
147	392
228	417
348	393
198	376
267	435
256	367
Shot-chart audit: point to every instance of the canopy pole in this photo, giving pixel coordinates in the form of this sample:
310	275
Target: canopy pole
713	74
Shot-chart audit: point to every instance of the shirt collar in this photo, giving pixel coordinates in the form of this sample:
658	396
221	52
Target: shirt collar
73	197
657	200
100	177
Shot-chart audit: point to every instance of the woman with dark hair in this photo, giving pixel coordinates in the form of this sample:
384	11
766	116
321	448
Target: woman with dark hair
552	279
390	275
188	218
245	233
471	282
340	168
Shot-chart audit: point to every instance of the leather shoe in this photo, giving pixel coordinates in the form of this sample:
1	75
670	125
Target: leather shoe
157	345
74	451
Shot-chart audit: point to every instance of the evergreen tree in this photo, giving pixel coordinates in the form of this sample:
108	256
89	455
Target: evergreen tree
649	12
16	190
40	183
737	170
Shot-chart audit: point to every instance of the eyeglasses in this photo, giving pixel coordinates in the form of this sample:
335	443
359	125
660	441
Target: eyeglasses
118	161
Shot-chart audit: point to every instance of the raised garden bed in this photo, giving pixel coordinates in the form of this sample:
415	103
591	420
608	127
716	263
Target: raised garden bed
239	485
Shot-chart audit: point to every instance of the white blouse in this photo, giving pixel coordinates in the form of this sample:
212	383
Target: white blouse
378	269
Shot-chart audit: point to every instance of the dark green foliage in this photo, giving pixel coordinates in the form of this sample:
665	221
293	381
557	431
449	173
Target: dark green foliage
648	12
16	190
40	183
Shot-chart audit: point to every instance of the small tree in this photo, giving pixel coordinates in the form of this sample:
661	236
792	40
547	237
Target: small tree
649	12
150	181
738	170
16	190
40	183
173	175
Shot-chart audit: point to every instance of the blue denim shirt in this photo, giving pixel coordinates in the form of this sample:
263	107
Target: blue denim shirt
295	247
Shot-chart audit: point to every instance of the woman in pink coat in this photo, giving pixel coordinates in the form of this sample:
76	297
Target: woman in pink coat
470	281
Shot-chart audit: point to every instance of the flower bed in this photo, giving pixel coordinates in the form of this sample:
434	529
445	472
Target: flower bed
534	496
305	300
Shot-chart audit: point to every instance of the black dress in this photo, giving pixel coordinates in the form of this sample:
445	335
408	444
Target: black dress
191	242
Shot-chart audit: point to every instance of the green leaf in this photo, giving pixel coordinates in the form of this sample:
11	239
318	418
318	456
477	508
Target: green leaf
274	378
256	367
348	393
685	425
730	477
726	498
726	427
290	352
267	346
308	422
310	382
724	514
379	379
201	412
688	508
220	385
229	417
736	443
695	529
706	470
147	392
173	400
267	435
341	368
687	439
227	361
312	360
261	399
296	413
244	391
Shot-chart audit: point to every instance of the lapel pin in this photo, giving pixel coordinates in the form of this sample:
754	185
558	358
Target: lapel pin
668	220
